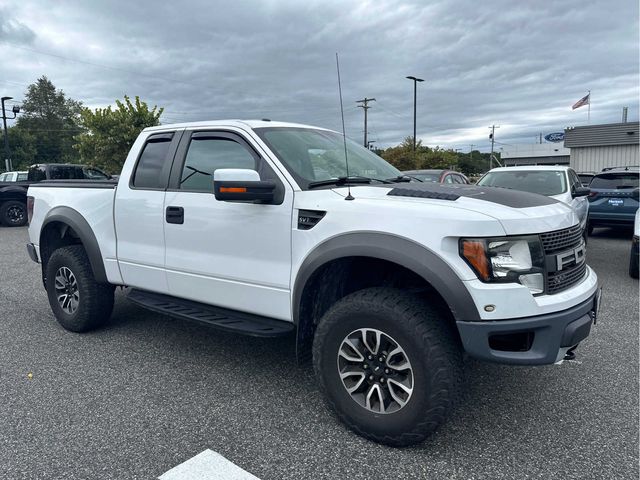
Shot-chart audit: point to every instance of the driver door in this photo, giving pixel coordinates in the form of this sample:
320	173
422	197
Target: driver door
231	254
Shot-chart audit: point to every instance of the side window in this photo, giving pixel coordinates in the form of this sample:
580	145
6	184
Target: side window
151	162
448	179
206	155
574	180
458	179
94	174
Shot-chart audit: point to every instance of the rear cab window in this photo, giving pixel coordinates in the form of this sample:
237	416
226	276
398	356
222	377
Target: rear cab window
153	163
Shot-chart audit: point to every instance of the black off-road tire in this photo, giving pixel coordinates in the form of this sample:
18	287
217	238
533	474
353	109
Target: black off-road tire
431	344
95	302
13	213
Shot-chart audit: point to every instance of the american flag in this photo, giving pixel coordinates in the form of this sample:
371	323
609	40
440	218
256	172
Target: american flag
582	102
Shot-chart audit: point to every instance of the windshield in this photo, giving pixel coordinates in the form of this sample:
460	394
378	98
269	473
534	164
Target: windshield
312	155
543	182
613	181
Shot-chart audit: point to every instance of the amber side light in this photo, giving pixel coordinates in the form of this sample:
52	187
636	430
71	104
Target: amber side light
233	189
474	252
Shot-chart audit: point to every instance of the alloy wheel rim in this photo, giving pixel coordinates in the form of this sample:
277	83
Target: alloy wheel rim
67	292
15	214
375	370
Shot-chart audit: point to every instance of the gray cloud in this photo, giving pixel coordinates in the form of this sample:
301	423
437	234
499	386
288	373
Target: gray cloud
517	64
12	29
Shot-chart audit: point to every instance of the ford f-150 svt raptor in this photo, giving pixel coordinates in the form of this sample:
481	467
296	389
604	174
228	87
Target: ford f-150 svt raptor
260	227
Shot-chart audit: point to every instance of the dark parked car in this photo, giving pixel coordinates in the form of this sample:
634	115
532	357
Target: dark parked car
13	195
614	196
585	178
438	176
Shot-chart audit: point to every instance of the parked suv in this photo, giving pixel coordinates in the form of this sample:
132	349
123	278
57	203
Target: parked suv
614	196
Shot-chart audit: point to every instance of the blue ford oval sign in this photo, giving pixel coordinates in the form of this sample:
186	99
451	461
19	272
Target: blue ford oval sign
554	137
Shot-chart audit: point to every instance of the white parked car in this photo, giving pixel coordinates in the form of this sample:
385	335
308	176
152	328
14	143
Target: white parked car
561	183
13	176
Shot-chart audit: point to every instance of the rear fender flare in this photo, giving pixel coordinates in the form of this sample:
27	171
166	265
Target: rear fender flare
74	220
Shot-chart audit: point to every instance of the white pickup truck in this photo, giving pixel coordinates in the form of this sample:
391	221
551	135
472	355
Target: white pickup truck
258	227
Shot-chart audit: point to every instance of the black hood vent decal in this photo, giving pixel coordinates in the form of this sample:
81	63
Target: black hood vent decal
501	196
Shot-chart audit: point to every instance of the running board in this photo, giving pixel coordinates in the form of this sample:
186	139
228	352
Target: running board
222	318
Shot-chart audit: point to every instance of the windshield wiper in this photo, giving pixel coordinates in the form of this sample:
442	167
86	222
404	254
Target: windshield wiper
345	180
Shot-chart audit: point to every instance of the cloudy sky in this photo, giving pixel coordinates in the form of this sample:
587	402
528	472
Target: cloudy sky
517	64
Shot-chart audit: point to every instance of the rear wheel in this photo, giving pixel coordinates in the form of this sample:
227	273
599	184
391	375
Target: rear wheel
388	364
13	213
79	303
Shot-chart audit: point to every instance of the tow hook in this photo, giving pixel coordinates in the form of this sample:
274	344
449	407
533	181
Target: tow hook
570	354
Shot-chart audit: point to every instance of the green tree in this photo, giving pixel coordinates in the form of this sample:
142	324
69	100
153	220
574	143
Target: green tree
403	157
52	119
438	158
23	148
110	133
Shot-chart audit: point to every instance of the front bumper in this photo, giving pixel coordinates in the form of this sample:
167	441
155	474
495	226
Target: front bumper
538	340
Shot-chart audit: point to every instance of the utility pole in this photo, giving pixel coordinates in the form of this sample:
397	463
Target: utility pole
492	137
471	153
415	97
365	106
7	151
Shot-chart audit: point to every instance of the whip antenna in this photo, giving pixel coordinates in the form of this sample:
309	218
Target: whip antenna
344	134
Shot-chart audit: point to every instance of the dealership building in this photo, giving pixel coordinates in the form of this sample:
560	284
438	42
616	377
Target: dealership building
534	154
594	147
588	148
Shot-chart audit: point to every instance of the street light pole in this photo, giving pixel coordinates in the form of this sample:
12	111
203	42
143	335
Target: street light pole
415	95
7	153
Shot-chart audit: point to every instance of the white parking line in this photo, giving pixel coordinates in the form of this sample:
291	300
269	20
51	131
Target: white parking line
207	465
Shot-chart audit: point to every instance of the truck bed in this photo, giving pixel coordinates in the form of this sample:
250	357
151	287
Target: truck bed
92	200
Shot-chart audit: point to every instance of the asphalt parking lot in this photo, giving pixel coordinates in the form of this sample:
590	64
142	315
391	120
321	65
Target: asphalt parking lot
147	392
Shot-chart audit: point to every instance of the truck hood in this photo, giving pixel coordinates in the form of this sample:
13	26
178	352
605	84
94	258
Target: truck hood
518	212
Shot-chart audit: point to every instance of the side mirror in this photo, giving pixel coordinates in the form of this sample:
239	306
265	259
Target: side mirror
239	184
580	192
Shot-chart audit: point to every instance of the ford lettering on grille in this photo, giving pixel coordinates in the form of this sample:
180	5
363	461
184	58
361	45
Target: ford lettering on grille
570	257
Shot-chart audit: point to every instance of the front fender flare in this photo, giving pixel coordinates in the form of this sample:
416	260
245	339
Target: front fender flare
392	248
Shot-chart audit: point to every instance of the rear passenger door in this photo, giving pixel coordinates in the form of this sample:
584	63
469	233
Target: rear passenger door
139	212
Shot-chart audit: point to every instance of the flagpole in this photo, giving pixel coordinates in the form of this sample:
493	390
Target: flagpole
589	110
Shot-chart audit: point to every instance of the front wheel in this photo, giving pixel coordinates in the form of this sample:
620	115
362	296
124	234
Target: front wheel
388	364
79	303
13	213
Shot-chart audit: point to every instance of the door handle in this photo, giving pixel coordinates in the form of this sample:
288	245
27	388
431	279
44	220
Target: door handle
175	215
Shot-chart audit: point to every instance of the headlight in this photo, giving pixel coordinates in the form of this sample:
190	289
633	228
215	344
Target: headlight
506	260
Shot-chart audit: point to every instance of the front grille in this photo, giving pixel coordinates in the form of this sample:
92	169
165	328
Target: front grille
558	281
561	240
558	242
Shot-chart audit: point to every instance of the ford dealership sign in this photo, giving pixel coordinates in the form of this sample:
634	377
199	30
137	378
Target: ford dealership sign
554	137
